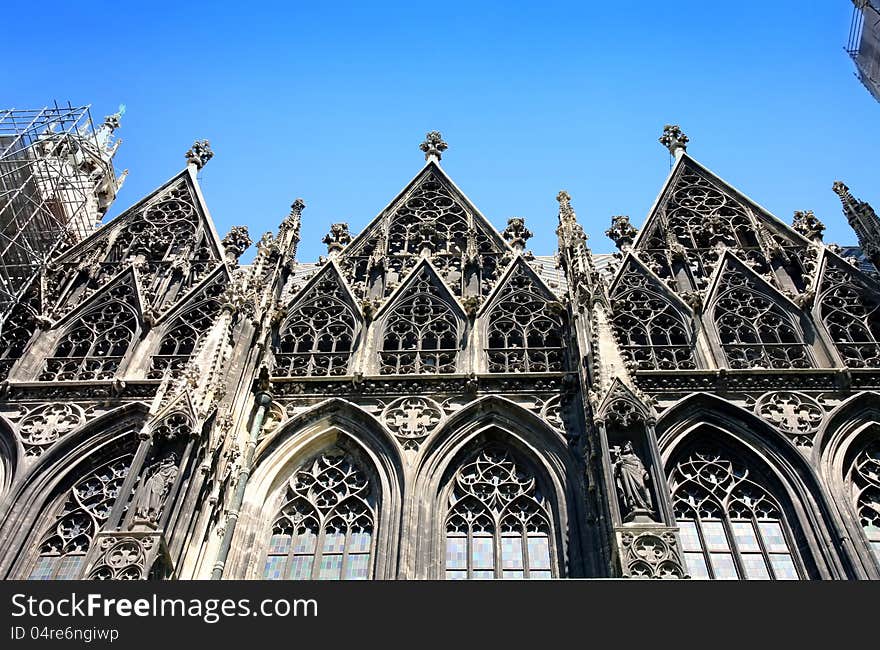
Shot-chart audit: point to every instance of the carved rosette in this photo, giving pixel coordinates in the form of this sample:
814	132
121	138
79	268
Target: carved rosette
650	553
797	415
125	556
412	419
41	427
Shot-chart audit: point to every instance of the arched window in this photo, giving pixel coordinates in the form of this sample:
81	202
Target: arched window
178	345
326	528
318	336
525	329
94	347
15	333
421	333
652	333
731	526
756	332
864	485
851	314
498	524
85	508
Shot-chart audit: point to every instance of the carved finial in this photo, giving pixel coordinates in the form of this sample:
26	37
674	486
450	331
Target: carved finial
843	192
337	239
808	224
433	146
236	242
516	233
112	122
674	139
622	232
199	154
297	207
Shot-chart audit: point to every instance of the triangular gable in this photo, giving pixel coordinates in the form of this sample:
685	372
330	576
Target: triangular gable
181	402
729	260
423	269
328	271
687	170
832	259
214	282
610	407
418	193
129	277
518	265
632	264
185	182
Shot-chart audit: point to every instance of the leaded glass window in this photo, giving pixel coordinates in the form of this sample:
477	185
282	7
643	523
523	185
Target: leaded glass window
15	333
180	342
851	314
87	505
864	485
731	527
651	332
93	348
525	329
755	331
318	336
498	524
326	528
421	333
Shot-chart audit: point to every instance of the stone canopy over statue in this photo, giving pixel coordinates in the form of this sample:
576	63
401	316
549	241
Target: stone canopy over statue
151	496
631	480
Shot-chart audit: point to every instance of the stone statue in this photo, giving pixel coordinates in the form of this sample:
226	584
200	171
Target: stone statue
630	477
151	497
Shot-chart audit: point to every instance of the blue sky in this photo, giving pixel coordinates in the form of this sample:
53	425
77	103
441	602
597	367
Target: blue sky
329	101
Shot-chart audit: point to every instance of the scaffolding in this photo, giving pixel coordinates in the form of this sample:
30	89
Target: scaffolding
56	182
863	44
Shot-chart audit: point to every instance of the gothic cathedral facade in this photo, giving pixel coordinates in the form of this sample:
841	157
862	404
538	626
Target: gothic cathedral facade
430	400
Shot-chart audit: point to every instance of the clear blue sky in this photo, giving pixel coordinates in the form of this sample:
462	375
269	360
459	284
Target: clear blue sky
329	101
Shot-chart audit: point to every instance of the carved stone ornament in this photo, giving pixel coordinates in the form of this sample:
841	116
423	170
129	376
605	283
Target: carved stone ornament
151	495
808	224
673	138
631	480
797	415
200	153
45	424
412	419
621	232
516	233
236	241
125	556
433	145
650	554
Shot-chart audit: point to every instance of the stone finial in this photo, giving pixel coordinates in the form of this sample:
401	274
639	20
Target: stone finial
113	122
516	233
297	207
434	145
564	199
199	154
622	232
808	224
337	239
236	242
674	139
293	220
843	193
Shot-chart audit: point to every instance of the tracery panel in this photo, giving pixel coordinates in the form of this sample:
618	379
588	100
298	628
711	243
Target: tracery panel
421	333
181	341
15	333
851	315
525	329
731	525
95	345
863	481
755	332
326	529
651	332
318	336
85	508
498	523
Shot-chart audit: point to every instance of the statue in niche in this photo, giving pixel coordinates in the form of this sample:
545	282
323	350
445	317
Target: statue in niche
151	497
631	480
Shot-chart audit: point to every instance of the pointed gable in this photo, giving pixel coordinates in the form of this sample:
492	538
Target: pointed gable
431	212
697	210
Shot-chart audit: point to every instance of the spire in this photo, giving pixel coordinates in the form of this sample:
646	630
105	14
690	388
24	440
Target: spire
199	154
433	146
863	220
674	139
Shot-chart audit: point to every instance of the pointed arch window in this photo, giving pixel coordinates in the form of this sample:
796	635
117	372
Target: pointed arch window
93	348
851	315
864	484
326	528
85	508
498	523
181	341
15	333
525	329
652	333
421	333
756	332
731	526
318	337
